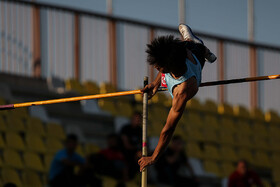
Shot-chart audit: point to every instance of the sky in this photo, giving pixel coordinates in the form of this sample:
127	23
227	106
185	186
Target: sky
219	17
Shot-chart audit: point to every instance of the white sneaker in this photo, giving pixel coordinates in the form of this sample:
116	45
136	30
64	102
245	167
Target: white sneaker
188	35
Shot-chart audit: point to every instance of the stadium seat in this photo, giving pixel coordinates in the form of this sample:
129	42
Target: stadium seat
3	125
272	116
55	130
261	159
2	143
74	85
211	152
241	112
124	108
159	98
35	143
274	144
226	138
107	88
245	154
10	175
53	145
31	179
211	122
193	150
228	154
210	136
108	181
227	168
91	87
107	105
244	127
15	123
260	129
210	106
14	141
35	125
80	150
227	124
20	113
192	119
243	140
212	167
225	109
274	131
12	159
91	148
158	112
276	175
257	114
194	104
266	183
33	162
47	161
260	143
275	160
194	134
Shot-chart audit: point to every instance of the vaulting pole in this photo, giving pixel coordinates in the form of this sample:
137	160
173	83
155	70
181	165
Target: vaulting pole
144	133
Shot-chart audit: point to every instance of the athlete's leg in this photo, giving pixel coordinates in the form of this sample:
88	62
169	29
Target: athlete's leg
199	50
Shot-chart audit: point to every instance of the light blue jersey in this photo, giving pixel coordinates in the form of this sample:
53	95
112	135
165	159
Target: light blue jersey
193	70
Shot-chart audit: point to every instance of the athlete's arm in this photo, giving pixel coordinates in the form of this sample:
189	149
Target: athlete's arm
152	88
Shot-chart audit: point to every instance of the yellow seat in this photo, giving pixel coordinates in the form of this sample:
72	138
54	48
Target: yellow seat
227	124
211	122
274	143
194	104
274	131
260	129
35	125
192	119
55	130
275	160
260	143
124	108
53	145
15	123
210	136
131	184
276	175
194	134
2	143
91	87
12	159
226	138
193	150
257	114
244	127
245	154
35	143
11	176
212	167
107	88
228	154
14	141
158	112
262	160
225	109
210	106
241	112
80	150
243	140
108	181
31	179
211	152
272	116
33	162
159	98
91	148
107	105
47	162
227	168
21	113
266	183
74	85
3	125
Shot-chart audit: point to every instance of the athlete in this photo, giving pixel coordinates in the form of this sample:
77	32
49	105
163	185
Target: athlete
181	62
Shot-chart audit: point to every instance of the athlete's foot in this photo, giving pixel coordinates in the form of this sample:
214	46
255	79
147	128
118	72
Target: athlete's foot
188	35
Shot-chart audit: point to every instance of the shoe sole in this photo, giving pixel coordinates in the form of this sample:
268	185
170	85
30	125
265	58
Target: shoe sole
195	35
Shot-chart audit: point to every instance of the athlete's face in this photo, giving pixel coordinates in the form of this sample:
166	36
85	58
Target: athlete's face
161	69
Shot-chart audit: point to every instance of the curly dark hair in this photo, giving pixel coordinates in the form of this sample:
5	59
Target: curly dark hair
165	51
